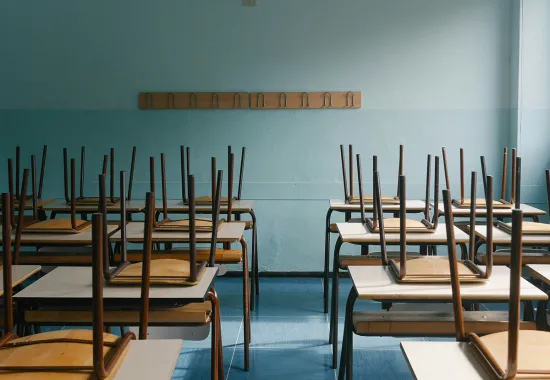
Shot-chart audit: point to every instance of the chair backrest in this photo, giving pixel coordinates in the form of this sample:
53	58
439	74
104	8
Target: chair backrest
6	261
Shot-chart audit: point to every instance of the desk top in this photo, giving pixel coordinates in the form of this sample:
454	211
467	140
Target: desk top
82	238
541	271
528	211
376	282
40	202
228	233
19	273
411	205
60	206
503	238
177	206
443	360
358	233
150	359
76	283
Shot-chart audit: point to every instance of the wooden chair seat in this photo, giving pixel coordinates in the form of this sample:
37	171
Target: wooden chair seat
373	259
54	354
207	200
58	226
528	256
434	269
534	228
334	227
370	199
392	225
163	272
195	313
533	351
426	323
481	203
201	225
223	256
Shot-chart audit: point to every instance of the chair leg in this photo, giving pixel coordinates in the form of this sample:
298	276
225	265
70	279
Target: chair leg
214	354
255	250
252	275
327	262
334	315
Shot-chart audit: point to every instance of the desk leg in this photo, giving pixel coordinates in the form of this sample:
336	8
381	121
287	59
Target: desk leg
246	306
528	311
541	321
327	261
346	360
463	251
535	218
255	285
334	315
53	214
216	365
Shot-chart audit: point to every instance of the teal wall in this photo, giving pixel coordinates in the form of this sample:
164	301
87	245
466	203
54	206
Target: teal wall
432	73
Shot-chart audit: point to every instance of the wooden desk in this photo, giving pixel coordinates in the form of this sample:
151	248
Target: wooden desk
357	233
73	285
228	233
150	359
528	212
501	237
377	283
59	206
177	206
19	273
443	360
540	271
72	240
339	205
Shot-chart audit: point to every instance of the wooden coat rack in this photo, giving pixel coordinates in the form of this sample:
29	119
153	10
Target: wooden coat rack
254	100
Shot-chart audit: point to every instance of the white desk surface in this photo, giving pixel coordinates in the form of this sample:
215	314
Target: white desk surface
541	271
411	206
503	238
60	205
376	282
76	283
150	359
82	238
443	360
19	273
358	233
177	205
228	233
527	211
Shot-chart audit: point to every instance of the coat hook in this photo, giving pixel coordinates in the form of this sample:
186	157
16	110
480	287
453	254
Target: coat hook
282	96
237	95
171	100
305	99
329	95
352	99
215	100
149	100
192	96
262	104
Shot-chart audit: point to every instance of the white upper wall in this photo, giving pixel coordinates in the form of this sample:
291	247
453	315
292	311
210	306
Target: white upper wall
403	54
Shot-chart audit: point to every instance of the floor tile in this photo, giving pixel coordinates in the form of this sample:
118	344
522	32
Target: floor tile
288	363
288	332
373	342
194	363
380	364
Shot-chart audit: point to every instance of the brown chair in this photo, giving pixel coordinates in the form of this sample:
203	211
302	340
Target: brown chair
481	202
349	197
70	225
528	228
83	200
16	193
394	225
429	269
512	354
74	354
181	225
166	271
